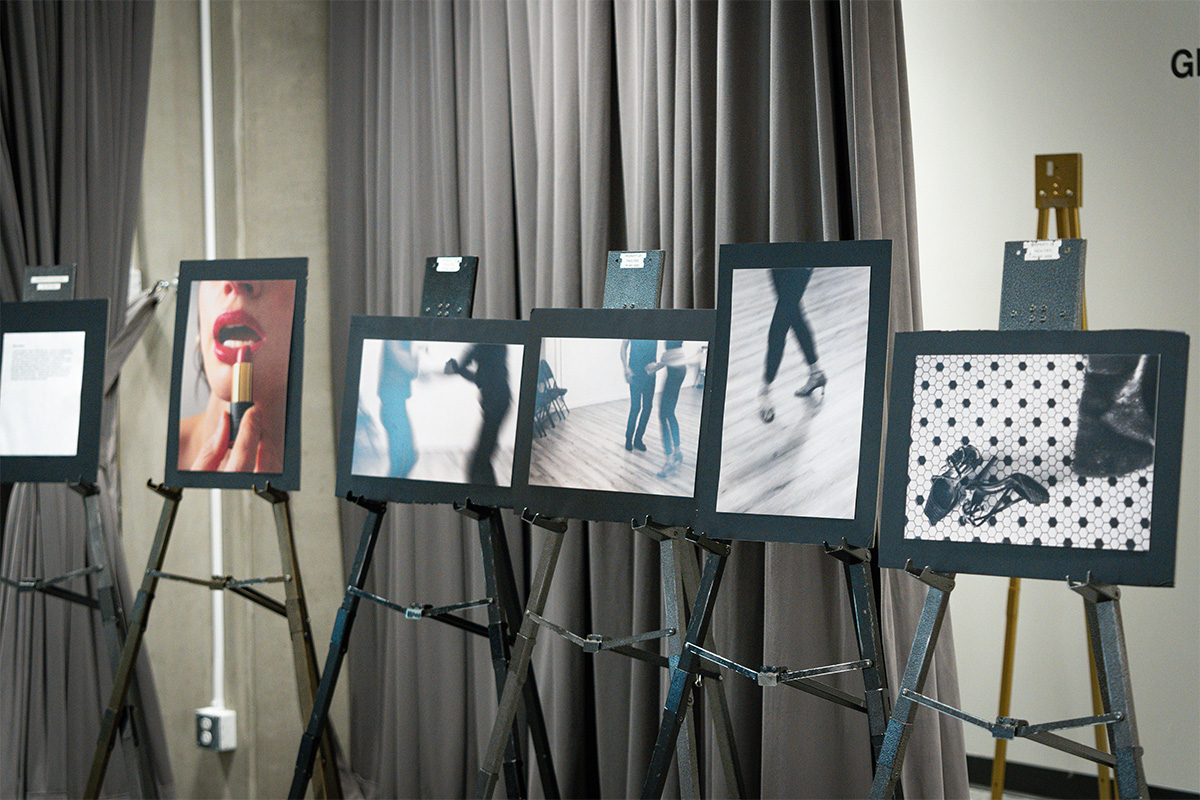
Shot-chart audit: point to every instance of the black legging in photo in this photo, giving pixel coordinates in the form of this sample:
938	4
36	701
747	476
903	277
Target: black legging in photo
669	399
790	284
638	355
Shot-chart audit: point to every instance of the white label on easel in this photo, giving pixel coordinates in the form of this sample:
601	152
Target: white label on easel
57	280
1043	250
633	260
449	263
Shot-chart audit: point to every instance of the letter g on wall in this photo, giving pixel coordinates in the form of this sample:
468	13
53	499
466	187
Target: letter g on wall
1185	64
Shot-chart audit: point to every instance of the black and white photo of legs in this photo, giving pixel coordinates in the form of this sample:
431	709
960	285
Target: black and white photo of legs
606	442
794	394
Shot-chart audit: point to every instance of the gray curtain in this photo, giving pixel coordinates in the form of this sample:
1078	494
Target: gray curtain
73	90
538	136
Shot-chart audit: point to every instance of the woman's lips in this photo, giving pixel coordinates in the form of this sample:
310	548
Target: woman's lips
234	330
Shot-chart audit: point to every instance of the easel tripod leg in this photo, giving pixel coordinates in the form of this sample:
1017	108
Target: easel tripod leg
718	704
1112	670
339	642
303	652
899	728
518	667
112	620
514	768
510	604
683	676
861	584
133	642
671	553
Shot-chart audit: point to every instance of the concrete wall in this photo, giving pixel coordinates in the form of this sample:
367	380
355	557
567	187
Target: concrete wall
269	63
993	84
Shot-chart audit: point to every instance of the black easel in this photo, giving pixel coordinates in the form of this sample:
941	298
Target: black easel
448	291
295	609
1054	296
861	582
130	721
633	280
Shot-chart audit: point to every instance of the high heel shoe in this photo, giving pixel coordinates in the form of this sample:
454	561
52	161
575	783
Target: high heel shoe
766	408
816	380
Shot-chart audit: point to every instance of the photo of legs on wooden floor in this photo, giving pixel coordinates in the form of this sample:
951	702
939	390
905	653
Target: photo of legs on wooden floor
618	415
794	394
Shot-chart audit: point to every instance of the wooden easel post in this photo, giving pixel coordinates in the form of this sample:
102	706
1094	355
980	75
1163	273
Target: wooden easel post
304	657
1058	185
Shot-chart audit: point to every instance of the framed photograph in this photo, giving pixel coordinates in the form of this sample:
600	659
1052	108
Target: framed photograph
609	425
1036	454
794	428
51	389
430	409
236	374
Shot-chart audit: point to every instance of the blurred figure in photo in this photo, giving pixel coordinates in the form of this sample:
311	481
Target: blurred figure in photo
490	374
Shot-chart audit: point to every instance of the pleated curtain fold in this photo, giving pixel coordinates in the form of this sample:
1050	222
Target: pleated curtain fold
539	136
73	94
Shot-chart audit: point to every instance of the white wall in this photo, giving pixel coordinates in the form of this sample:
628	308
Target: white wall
993	84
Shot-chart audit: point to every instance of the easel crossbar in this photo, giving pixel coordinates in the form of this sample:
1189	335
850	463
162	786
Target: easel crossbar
781	676
595	642
442	614
37	584
1008	728
218	581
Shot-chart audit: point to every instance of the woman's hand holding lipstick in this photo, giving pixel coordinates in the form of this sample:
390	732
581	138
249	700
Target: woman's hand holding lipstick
247	454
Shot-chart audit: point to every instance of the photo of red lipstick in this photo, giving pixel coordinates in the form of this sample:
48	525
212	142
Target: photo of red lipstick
243	391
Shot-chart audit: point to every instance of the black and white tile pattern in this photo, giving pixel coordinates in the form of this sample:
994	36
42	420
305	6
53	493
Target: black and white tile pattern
1023	410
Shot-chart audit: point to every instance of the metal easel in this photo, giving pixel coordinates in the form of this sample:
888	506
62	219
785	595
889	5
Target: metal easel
633	280
1059	186
295	609
130	721
448	291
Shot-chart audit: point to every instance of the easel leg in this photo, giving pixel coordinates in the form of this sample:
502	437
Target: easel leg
683	676
133	641
510	604
133	732
861	585
1112	669
519	666
303	653
687	755
714	690
514	768
339	642
899	728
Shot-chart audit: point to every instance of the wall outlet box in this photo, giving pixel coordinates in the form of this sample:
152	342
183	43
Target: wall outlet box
216	729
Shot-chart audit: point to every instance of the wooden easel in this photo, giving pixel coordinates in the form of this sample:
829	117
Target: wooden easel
295	609
448	291
635	288
1058	184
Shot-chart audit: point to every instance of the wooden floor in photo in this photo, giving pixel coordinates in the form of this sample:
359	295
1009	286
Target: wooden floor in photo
805	461
587	449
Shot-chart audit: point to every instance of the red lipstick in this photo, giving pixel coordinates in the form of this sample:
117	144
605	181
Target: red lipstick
234	330
243	390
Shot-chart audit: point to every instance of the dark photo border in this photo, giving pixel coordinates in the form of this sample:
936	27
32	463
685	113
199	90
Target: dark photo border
47	316
420	329
595	504
262	269
858	529
1153	567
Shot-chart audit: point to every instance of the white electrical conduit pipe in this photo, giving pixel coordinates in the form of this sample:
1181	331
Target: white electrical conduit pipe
216	531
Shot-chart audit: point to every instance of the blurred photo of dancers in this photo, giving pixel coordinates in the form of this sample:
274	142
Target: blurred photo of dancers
490	374
792	423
